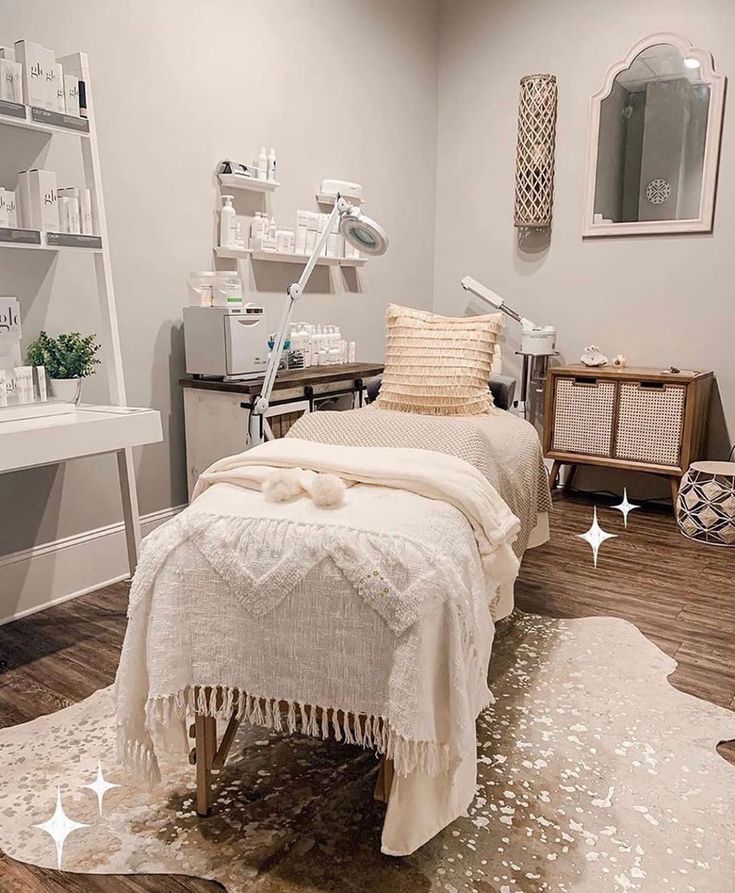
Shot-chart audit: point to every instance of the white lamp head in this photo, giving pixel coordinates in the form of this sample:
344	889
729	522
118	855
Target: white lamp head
362	232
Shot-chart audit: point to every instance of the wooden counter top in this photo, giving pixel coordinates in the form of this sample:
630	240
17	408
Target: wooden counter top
294	378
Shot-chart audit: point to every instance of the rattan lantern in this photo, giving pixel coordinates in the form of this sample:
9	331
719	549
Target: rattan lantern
705	507
535	151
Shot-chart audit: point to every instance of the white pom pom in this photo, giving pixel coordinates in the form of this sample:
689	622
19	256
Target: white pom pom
282	485
328	491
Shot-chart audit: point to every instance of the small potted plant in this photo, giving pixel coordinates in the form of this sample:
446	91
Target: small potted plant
67	359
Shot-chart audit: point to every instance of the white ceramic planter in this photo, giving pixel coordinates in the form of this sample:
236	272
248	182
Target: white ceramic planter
67	389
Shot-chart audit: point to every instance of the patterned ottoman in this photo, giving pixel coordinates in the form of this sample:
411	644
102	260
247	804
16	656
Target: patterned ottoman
706	506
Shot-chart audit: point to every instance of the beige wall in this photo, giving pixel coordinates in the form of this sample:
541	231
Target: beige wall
178	85
658	300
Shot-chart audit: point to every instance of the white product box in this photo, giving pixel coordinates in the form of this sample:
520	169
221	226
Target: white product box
49	72
11	80
10	204
85	211
23	201
32	59
71	94
4	216
7	53
43	200
60	98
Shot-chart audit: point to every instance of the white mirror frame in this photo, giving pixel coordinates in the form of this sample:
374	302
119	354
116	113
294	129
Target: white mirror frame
703	223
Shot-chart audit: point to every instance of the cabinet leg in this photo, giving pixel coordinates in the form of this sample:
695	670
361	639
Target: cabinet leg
569	480
554	474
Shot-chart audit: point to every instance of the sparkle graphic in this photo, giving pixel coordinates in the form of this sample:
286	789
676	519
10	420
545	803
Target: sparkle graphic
59	827
596	536
100	786
625	507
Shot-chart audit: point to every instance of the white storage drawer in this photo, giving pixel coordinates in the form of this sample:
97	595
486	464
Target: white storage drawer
584	410
650	422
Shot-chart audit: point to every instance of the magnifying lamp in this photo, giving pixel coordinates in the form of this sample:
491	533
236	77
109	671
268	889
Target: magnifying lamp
360	231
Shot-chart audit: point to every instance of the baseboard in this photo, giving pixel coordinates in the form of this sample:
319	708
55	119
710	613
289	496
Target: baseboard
46	575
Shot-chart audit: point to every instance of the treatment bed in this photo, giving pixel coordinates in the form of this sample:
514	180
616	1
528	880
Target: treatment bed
365	614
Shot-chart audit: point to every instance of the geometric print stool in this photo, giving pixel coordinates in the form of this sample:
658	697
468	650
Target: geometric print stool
706	505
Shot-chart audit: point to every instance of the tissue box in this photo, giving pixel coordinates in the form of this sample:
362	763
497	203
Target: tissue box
43	202
32	58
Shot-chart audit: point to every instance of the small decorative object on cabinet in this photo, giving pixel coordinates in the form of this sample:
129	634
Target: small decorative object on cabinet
535	151
705	509
634	419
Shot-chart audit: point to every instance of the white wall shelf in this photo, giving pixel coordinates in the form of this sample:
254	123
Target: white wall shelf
42	241
86	431
28	118
277	257
234	181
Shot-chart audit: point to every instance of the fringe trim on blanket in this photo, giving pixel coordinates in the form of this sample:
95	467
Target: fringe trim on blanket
138	757
369	732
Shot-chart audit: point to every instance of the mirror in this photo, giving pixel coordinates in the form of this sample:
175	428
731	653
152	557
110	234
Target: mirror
654	141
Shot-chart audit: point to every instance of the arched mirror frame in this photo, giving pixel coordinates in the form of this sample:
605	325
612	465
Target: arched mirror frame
703	223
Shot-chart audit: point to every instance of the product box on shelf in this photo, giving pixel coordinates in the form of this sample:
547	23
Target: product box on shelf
32	57
10	335
59	96
4	215
49	73
71	94
11	80
43	203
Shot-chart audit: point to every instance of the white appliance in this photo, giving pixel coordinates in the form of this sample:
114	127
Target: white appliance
225	342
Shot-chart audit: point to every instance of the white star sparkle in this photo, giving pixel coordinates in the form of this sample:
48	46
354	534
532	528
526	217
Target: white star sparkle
596	536
625	507
59	827
100	786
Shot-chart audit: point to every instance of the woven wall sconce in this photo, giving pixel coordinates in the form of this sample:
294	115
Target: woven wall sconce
535	151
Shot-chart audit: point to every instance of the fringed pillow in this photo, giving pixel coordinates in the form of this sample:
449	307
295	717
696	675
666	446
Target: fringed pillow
438	365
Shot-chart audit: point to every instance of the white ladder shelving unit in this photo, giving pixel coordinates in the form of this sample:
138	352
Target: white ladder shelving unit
89	429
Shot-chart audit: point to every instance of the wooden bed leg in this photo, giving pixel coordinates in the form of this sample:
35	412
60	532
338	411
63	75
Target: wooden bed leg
384	781
206	746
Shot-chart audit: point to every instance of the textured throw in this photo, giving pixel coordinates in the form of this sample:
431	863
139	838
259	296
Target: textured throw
438	365
502	447
340	612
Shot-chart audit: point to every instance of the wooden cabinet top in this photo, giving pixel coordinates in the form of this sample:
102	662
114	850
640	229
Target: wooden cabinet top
630	373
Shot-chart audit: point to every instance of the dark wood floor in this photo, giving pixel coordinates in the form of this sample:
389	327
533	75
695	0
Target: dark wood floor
679	594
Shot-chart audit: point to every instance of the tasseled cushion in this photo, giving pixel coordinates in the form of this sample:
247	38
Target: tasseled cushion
438	365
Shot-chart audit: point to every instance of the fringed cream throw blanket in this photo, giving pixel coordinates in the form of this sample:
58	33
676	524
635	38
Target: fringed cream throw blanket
375	608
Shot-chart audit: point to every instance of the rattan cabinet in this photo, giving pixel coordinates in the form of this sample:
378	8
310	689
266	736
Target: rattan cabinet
635	419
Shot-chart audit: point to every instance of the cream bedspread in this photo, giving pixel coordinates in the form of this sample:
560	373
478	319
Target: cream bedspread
353	609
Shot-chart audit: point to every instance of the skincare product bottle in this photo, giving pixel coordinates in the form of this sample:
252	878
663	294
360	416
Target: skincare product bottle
41	381
272	164
11	208
4	216
75	224
272	229
262	164
227	223
31	57
3	388
82	100
64	209
206	298
351	352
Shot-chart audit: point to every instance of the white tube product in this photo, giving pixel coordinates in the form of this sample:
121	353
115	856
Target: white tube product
64	211
263	164
41	382
227	229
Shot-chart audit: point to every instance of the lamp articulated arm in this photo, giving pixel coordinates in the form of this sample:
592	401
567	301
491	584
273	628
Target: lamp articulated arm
258	428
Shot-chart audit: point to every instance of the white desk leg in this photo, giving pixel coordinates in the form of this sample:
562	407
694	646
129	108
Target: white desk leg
131	514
